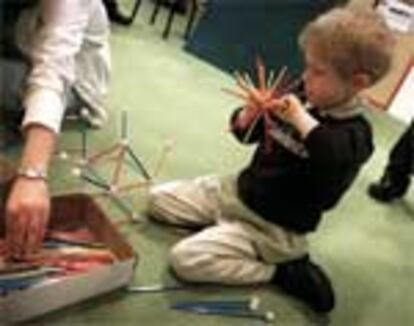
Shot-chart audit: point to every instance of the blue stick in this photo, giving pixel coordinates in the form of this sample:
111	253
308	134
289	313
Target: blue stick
96	183
265	316
246	304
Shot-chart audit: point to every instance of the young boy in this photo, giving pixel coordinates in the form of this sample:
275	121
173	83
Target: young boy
255	223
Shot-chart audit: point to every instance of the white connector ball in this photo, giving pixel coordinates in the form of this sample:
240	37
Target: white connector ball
63	155
269	316
254	303
76	172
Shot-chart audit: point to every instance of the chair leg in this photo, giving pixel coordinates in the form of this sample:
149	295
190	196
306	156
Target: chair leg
134	11
194	7
155	11
170	19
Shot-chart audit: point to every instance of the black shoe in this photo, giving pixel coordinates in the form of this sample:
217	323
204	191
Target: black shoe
306	281
388	188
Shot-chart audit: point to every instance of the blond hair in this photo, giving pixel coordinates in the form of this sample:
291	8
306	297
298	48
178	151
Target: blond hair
351	42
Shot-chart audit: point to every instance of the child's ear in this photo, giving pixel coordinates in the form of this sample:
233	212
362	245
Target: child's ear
361	81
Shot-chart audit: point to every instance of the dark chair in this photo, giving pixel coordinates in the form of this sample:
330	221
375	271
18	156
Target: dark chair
174	7
115	14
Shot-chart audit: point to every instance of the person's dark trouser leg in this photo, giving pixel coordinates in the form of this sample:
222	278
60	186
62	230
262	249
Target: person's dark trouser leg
401	159
396	178
13	74
12	80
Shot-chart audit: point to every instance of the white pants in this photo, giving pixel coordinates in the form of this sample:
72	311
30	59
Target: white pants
235	246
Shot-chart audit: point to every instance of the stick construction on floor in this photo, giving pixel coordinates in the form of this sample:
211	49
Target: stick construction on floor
120	153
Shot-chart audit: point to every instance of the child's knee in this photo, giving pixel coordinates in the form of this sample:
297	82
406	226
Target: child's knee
180	258
190	264
159	195
163	188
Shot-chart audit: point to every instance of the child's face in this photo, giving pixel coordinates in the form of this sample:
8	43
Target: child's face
323	87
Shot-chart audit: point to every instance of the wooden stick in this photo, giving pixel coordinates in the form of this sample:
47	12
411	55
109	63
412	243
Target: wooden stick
252	127
261	73
118	166
155	288
292	85
280	76
132	186
241	82
103	153
124	125
248	79
123	189
237	94
270	79
167	148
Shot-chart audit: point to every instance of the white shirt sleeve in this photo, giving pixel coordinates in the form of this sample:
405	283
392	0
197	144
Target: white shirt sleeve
54	45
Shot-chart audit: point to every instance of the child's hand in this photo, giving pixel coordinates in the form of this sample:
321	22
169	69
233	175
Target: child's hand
290	109
256	101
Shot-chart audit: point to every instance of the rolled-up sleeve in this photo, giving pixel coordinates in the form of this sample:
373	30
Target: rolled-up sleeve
56	42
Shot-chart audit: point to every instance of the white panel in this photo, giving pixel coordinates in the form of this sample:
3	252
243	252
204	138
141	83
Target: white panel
402	105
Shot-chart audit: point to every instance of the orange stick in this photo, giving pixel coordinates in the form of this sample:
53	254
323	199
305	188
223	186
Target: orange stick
261	73
167	148
100	154
132	186
252	126
292	85
118	166
280	76
241	82
122	189
235	93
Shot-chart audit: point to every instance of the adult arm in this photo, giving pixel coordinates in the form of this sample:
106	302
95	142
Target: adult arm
52	55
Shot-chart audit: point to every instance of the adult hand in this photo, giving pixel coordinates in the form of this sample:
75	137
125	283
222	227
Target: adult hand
27	215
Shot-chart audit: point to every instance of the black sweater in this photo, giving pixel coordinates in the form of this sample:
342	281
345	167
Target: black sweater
292	184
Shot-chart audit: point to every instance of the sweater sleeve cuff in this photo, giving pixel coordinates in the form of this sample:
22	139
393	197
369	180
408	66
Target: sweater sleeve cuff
44	107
